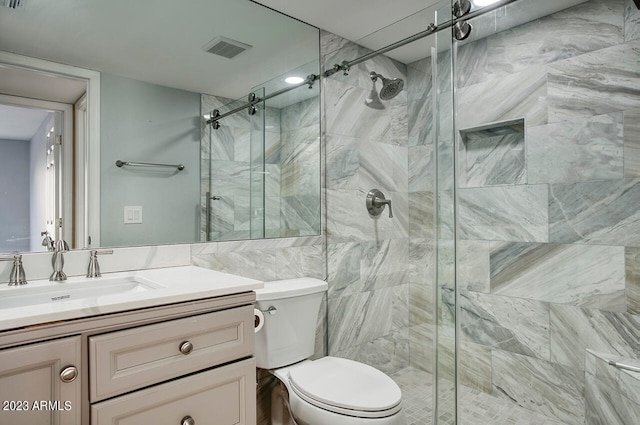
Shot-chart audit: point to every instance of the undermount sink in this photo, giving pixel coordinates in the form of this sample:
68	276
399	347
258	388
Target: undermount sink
56	292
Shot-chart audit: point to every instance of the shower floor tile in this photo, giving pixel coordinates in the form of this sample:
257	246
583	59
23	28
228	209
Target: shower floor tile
476	408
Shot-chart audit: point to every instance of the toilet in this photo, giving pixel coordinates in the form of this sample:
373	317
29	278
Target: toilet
326	391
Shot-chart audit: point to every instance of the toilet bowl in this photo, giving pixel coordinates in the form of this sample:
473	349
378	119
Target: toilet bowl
326	391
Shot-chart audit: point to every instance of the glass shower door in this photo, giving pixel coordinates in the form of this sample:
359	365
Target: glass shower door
445	372
232	205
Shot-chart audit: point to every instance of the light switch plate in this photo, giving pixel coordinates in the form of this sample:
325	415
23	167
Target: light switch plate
133	214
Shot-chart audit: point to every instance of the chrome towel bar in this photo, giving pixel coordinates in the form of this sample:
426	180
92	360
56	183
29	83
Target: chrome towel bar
120	163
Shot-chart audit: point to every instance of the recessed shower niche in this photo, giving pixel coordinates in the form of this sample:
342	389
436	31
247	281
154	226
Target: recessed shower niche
493	154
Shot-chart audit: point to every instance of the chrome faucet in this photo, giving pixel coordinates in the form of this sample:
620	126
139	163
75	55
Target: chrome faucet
17	276
94	267
57	261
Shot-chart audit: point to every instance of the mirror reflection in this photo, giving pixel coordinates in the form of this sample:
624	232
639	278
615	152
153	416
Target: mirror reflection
136	85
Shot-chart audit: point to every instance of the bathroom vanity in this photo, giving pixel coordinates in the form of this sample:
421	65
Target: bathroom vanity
180	353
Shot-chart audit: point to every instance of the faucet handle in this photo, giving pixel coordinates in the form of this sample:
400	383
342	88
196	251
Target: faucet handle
18	276
375	203
94	266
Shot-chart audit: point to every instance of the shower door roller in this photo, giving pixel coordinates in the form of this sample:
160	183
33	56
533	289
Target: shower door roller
375	203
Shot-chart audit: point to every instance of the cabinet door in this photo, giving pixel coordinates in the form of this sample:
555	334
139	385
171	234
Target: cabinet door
38	385
222	396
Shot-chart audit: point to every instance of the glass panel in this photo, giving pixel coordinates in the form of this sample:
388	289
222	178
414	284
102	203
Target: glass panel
260	212
549	229
233	160
445	397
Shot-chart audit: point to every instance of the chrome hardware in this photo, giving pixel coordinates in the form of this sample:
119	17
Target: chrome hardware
187	420
252	98
252	110
69	374
94	266
271	310
207	208
375	203
462	30
17	276
120	164
461	8
186	348
619	365
57	261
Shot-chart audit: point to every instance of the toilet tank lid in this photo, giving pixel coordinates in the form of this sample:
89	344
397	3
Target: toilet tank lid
288	288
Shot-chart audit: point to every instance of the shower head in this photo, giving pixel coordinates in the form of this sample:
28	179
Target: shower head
390	88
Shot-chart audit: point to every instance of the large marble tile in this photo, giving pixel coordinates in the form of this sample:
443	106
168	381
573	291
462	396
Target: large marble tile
422	261
511	324
474	363
611	393
517	95
384	263
571	151
421	168
300	115
343	264
598	212
632	143
582	275
347	114
632	266
543	387
389	353
421	348
421	215
574	330
472	272
364	317
421	306
348	219
595	83
295	262
631	21
507	213
362	164
541	41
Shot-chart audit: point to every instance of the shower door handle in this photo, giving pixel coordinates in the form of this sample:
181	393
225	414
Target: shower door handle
207	207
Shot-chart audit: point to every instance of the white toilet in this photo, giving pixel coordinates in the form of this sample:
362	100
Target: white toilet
327	391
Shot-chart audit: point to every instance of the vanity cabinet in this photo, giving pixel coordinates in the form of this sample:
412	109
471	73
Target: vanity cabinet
39	383
183	364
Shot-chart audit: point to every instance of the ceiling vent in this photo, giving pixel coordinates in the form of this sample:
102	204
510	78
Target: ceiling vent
226	47
13	4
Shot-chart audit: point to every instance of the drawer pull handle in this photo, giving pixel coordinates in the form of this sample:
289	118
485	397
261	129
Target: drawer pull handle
186	348
69	374
187	420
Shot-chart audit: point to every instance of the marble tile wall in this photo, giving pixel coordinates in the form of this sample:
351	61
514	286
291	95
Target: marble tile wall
378	274
548	263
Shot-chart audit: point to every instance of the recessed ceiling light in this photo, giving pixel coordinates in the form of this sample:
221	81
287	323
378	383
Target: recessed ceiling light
483	3
293	80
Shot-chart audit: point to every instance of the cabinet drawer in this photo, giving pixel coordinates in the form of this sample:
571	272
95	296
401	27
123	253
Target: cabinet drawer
126	360
222	396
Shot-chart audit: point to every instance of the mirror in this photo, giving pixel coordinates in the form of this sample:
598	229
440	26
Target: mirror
137	84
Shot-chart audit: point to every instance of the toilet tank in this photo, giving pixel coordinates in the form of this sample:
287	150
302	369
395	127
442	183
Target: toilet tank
289	332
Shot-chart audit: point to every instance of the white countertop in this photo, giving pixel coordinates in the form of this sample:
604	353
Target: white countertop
152	287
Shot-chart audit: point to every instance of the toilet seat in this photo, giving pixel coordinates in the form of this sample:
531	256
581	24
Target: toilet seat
346	387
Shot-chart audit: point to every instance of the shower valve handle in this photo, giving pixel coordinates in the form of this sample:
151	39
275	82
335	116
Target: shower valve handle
375	203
